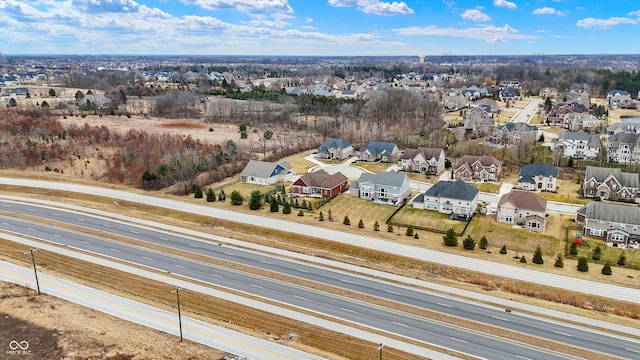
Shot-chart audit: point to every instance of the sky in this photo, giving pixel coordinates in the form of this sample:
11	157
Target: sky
319	27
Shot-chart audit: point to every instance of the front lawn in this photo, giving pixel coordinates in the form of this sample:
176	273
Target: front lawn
374	167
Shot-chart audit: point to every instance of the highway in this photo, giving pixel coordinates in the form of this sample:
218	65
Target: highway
249	283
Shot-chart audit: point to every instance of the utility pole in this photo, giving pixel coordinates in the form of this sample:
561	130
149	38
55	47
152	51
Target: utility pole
177	291
33	261
380	350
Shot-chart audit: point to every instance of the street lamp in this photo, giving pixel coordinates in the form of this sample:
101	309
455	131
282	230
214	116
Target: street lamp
33	261
380	349
177	291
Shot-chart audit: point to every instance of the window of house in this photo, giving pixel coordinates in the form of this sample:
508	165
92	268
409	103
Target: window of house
533	224
614	187
617	237
596	232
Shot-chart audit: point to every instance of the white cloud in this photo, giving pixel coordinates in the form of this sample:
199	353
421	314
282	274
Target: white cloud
100	6
252	7
475	15
375	7
635	13
547	11
489	33
505	3
604	23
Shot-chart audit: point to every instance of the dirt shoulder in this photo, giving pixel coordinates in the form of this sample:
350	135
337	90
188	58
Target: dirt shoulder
57	329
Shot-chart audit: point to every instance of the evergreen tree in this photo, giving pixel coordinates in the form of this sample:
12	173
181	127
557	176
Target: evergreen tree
537	256
523	259
222	196
296	205
597	252
573	249
300	213
309	206
286	208
583	264
321	217
273	205
606	270
389	228
415	236
304	204
236	198
279	199
255	200
450	239
346	220
197	191
330	215
211	195
376	226
622	260
360	224
503	249
559	262
410	230
468	243
484	243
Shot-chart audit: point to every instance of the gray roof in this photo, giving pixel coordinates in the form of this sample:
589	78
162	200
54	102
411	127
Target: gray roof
518	127
390	178
333	143
592	140
529	171
624	138
626	214
600	174
262	169
379	148
453	190
428	153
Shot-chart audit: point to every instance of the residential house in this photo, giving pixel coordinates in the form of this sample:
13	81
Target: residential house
98	101
507	94
320	184
454	102
449	197
617	224
560	110
622	102
615	92
383	187
478	118
576	144
473	92
611	184
478	168
548	92
347	94
333	148
580	121
266	173
423	160
379	151
624	148
513	133
627	127
492	104
523	208
538	177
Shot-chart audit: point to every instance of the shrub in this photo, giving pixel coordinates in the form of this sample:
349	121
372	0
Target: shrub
321	217
559	262
255	200
573	249
211	195
286	208
503	249
583	264
415	236
300	213
450	239
376	226
597	252
484	243
346	220
537	256
606	270
622	260
360	224
468	243
197	191
523	259
273	205
389	228
410	230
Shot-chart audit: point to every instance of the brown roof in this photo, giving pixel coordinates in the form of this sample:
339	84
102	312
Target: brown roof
524	200
428	153
322	179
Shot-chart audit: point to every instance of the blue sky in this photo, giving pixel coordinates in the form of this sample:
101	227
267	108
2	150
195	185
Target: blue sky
319	27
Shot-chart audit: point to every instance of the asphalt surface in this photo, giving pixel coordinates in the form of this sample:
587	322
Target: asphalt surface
526	325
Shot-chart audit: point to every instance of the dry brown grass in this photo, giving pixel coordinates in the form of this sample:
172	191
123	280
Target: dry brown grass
183	125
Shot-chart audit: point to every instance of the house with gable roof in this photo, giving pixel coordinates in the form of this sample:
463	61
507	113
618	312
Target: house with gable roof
384	187
538	177
624	148
334	148
320	184
454	102
449	197
548	92
422	160
379	151
513	133
477	168
523	208
617	224
611	184
561	110
580	121
576	144
266	173
478	118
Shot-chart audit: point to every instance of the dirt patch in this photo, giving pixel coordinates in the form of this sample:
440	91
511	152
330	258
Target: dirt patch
46	327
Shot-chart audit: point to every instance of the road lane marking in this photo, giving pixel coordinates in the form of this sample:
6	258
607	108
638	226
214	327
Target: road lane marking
116	250
180	266
57	235
228	254
134	232
401	324
349	310
633	350
216	275
455	338
258	286
391	292
106	225
300	297
86	242
347	281
163	238
32	210
445	305
147	258
194	245
5	205
499	318
31	229
523	357
563	334
265	262
81	219
303	271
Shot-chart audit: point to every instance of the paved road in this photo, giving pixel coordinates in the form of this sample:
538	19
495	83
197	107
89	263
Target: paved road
217	337
526	325
528	112
480	266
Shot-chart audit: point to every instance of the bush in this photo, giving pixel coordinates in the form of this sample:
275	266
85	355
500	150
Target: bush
583	264
606	270
301	213
389	228
523	260
503	249
346	220
622	260
573	249
537	256
360	224
484	243
273	205
376	226
197	191
559	261
468	243
236	198
597	252
211	195
450	239
415	236
410	230
286	208
321	217
255	201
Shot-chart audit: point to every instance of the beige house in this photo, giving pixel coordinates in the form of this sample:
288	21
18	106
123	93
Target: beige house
538	177
523	208
422	160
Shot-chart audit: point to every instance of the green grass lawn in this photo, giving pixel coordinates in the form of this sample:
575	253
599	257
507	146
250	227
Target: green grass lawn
608	254
356	209
374	167
427	219
487	187
244	189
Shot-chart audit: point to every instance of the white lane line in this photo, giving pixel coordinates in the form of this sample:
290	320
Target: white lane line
147	258
499	318
300	297
228	254
633	350
216	275
4	223
85	242
81	219
180	266
31	229
401	324
134	232
455	338
32	210
163	238
55	214
303	271
194	245
5	205
258	286
349	310
346	281
265	262
106	225
57	235
523	357
445	305
563	334
116	250
391	292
